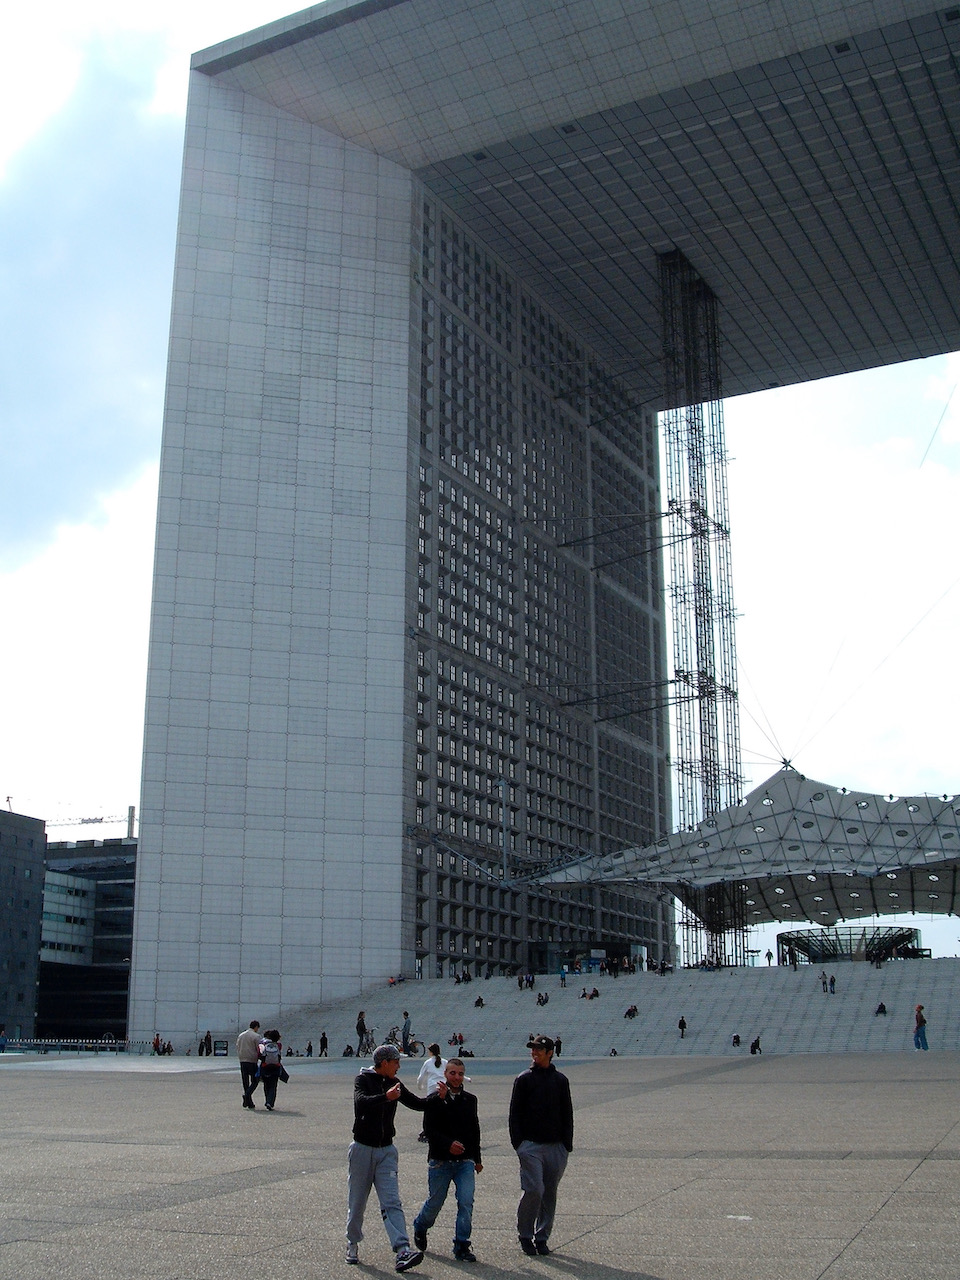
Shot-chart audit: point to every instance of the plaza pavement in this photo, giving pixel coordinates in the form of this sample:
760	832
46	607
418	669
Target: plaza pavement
840	1167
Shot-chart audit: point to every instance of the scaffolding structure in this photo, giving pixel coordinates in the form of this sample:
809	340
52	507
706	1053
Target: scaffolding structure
706	745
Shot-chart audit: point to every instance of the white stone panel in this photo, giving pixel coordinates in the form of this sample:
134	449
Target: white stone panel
271	819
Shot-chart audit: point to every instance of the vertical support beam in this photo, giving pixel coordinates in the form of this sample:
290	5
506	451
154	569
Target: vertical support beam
706	747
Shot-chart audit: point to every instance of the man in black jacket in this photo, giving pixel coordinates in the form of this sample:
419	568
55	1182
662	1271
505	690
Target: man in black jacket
541	1133
372	1158
453	1132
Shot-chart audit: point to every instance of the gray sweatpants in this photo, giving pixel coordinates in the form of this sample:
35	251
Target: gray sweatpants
369	1167
541	1168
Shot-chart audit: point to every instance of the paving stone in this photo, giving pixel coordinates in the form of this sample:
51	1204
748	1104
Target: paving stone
790	1167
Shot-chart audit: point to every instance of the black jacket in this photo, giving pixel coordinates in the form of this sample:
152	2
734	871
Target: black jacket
452	1119
373	1112
541	1109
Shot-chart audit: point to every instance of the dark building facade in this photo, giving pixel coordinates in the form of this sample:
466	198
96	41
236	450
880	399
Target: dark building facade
87	937
539	624
22	846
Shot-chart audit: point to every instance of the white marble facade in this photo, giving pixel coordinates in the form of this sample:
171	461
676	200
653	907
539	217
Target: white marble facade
269	871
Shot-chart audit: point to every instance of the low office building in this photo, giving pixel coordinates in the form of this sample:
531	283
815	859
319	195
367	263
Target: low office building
22	845
86	939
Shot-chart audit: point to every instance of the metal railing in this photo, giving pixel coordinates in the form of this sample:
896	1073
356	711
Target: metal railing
72	1044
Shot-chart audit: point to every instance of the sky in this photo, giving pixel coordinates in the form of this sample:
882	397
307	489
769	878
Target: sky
843	493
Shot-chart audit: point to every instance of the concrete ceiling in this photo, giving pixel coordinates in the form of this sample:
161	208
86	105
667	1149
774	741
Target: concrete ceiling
805	157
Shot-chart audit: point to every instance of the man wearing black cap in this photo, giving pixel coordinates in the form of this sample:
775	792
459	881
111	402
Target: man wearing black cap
541	1133
372	1158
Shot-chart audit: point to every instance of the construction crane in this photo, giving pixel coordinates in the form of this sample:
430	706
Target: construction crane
128	817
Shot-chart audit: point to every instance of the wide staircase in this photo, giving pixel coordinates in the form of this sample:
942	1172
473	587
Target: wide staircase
786	1008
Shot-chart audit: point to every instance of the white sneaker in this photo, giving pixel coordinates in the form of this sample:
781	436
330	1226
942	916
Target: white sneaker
351	1256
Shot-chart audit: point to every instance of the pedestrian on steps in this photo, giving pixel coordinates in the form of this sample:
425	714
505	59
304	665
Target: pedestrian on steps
919	1029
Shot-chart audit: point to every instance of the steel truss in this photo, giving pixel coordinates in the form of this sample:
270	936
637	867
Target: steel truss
873	944
706	747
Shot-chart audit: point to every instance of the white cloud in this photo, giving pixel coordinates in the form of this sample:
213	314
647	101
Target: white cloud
945	390
74	648
28	99
847	584
32	92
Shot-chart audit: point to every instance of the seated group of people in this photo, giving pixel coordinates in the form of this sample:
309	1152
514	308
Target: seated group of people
754	1044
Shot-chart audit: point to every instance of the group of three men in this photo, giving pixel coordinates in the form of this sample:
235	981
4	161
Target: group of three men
541	1132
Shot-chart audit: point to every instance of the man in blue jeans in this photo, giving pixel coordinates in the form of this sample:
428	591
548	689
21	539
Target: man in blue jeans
453	1132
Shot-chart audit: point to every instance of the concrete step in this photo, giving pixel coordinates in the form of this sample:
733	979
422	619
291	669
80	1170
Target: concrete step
786	1008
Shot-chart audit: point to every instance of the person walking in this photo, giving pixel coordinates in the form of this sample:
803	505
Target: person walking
453	1132
405	1033
541	1133
268	1058
833	985
361	1031
322	1053
919	1029
682	1026
372	1158
431	1073
248	1051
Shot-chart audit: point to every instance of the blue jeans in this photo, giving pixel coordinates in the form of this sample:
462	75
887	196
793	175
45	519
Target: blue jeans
920	1038
440	1173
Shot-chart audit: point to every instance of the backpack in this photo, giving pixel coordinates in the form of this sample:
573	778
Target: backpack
269	1054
